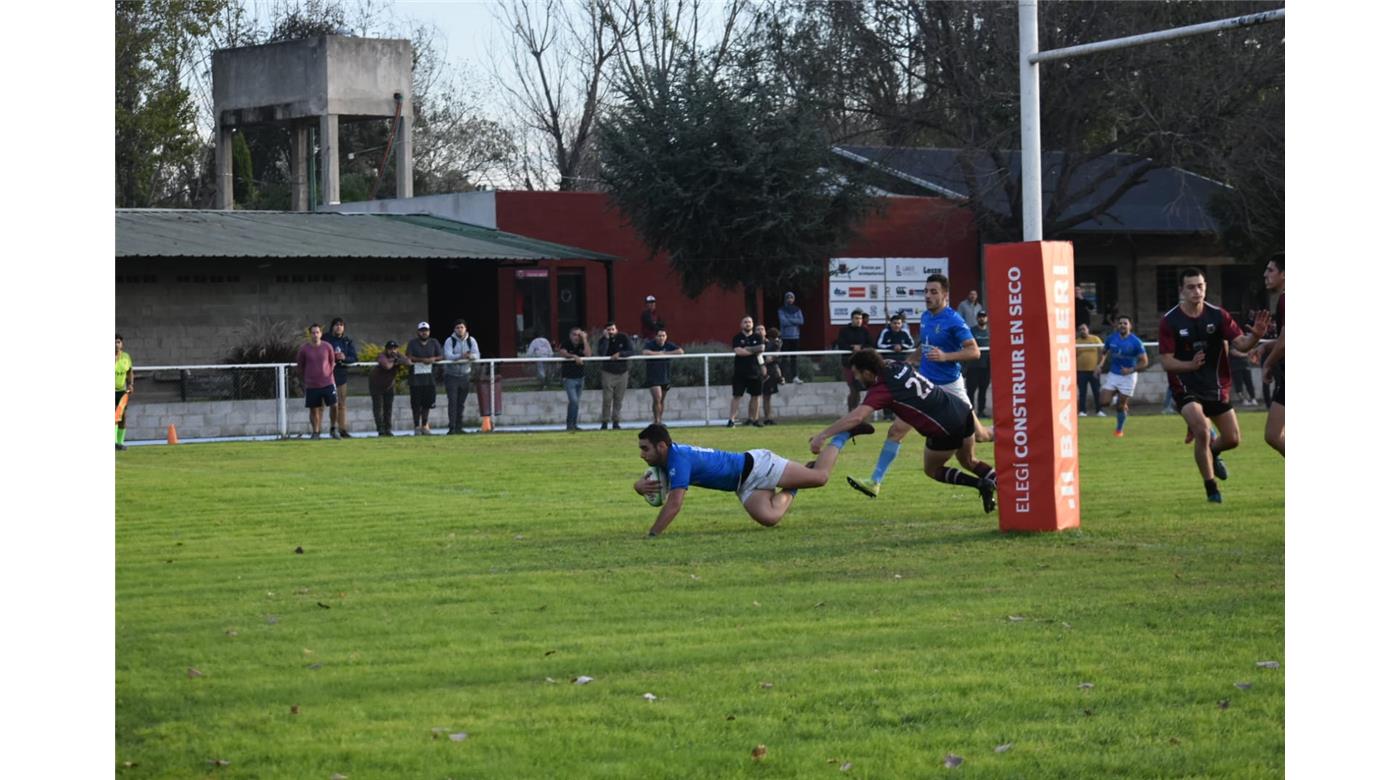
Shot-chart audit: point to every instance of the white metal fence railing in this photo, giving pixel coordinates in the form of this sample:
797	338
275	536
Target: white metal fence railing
277	382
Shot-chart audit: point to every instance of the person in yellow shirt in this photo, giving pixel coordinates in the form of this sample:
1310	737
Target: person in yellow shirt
1087	351
125	377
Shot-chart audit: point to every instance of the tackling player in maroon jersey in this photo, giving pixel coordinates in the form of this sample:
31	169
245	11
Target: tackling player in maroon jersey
944	419
1192	339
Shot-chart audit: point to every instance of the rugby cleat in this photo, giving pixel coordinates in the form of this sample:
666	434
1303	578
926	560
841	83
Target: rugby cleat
1118	433
1214	498
1220	471
988	489
871	489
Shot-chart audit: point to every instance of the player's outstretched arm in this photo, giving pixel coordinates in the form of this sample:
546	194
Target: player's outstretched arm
668	512
856	417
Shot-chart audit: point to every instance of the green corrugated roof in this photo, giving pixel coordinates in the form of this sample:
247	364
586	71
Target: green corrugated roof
524	243
199	233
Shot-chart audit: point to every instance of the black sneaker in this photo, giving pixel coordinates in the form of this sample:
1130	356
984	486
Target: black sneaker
617	426
988	489
729	424
603	427
334	435
1220	471
861	430
770	421
121	448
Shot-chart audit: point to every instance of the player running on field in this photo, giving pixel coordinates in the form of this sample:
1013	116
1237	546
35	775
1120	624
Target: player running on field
765	483
945	420
945	341
1192	340
1273	364
1125	356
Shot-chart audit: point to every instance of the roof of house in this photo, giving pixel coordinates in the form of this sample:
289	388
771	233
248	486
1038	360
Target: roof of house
195	233
1168	200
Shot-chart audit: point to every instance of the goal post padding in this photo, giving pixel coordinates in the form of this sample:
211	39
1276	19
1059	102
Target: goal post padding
1030	303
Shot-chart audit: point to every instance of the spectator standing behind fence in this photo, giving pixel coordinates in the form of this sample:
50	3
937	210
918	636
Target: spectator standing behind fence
969	307
658	379
316	367
1088	349
125	382
851	339
771	370
457	376
573	352
423	352
895	342
381	386
614	373
978	373
1083	312
651	321
790	322
748	373
541	348
1241	372
345	354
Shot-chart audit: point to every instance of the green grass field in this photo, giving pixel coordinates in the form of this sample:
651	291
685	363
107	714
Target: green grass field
459	585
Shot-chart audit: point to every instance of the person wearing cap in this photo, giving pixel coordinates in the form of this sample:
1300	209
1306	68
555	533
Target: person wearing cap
790	322
460	350
423	352
381	386
651	321
345	354
979	372
852	339
316	368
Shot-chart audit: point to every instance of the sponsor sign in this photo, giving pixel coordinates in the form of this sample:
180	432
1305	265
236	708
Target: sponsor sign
1030	300
879	286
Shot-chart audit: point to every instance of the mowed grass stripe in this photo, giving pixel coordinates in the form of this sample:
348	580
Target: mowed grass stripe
458	574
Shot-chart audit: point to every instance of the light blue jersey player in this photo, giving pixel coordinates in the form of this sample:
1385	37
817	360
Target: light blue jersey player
944	342
1124	356
764	482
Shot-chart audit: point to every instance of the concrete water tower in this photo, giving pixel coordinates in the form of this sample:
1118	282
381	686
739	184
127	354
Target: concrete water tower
314	82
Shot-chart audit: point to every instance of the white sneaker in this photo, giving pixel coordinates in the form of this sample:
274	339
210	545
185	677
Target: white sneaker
1101	414
1083	414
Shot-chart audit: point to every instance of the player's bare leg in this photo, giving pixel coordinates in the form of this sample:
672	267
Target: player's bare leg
1273	428
658	403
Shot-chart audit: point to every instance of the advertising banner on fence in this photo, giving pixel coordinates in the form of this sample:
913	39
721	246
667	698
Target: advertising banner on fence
1030	305
879	286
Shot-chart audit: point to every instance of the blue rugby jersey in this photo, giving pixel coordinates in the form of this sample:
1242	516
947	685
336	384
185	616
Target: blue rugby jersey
1123	352
703	467
947	331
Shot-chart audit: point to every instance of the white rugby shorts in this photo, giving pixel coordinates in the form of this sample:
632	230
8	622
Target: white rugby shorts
1124	385
958	389
767	470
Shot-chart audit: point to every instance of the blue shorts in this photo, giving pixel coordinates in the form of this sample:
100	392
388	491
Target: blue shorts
320	396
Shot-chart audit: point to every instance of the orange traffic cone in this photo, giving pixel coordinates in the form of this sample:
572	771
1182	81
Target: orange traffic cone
486	424
170	437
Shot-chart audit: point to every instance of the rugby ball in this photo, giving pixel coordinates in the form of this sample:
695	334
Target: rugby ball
658	498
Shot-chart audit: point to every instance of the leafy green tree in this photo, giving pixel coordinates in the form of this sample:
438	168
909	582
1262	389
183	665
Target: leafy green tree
945	74
727	174
156	133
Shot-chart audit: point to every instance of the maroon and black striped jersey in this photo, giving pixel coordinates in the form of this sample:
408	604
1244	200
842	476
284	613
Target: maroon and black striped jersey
1182	337
915	399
